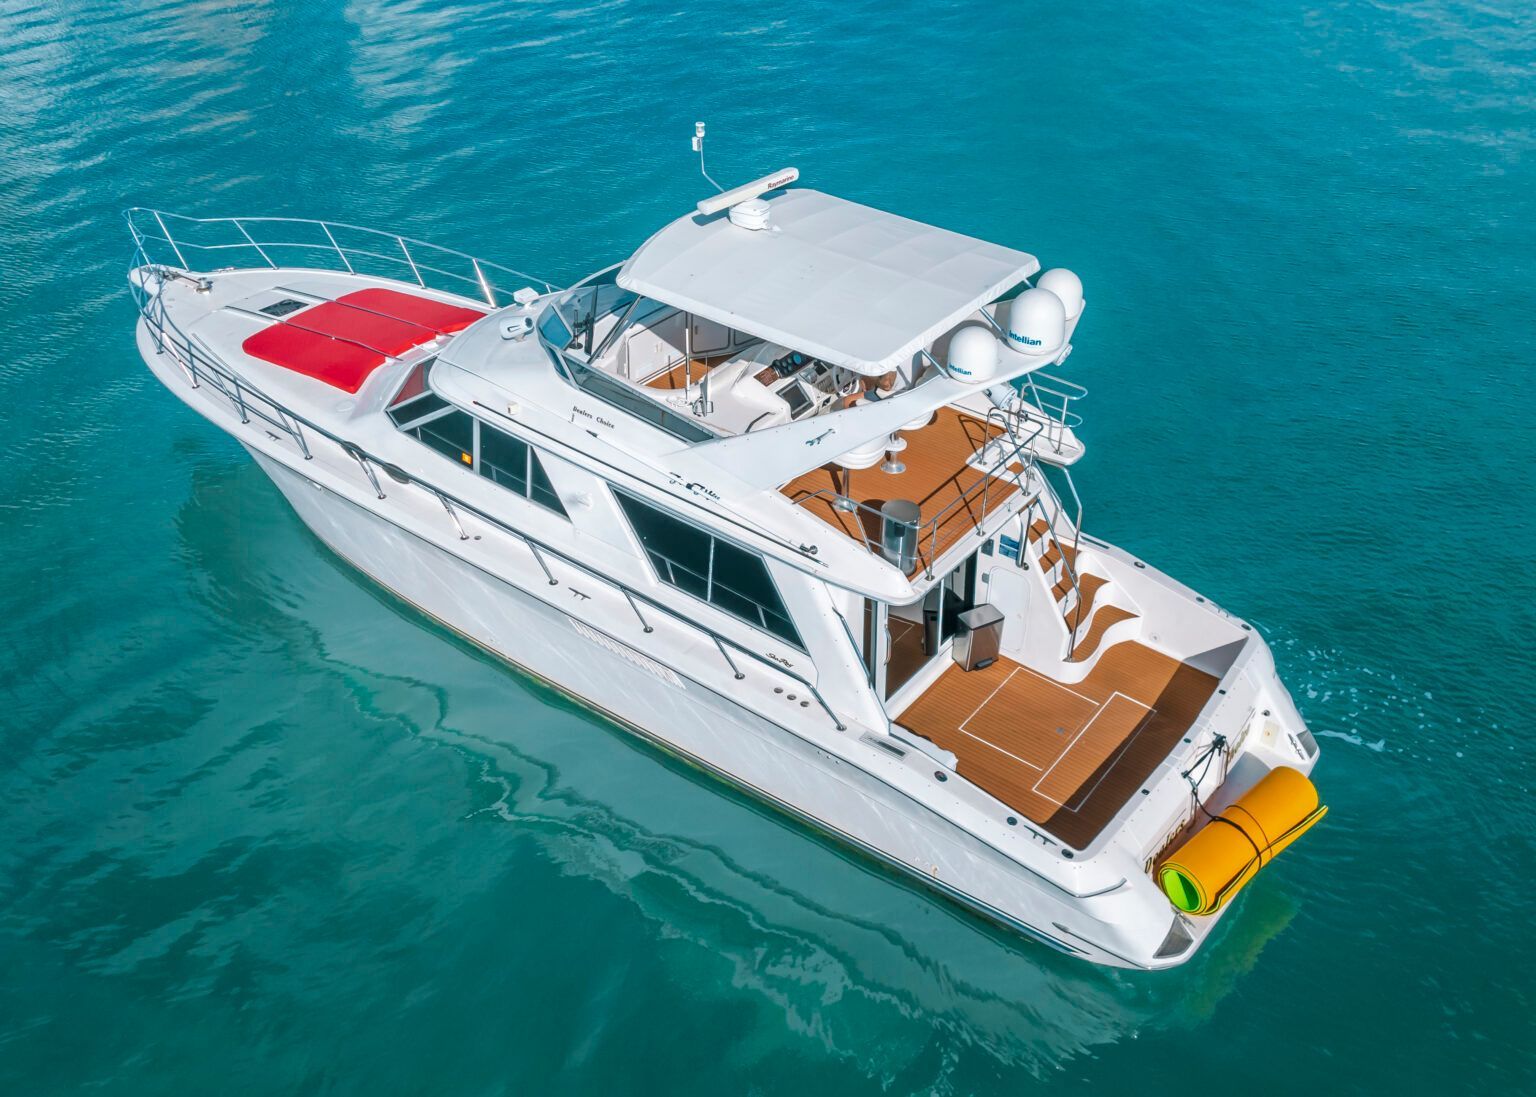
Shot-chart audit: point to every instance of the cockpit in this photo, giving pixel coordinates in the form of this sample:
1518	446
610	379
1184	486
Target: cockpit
792	305
717	380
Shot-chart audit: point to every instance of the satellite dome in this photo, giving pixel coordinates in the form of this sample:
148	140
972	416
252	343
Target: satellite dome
1066	285
973	354
1037	323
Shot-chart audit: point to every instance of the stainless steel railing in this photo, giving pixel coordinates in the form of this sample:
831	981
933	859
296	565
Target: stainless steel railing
977	499
1053	512
1053	397
204	244
202	367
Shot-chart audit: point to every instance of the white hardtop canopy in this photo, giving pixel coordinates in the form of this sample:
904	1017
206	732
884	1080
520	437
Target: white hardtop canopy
853	286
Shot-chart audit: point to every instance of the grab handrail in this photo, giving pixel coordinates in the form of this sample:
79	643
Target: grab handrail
1055	404
378	245
929	530
202	365
1058	513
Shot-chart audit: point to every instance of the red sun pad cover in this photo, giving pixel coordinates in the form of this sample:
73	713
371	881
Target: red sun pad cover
341	342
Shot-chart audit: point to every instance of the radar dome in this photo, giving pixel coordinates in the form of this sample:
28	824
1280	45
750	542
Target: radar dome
1037	323
973	354
1066	285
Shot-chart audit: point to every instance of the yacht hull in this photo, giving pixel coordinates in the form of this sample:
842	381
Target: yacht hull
687	718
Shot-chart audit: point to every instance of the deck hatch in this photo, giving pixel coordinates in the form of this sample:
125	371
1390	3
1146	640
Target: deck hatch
282	308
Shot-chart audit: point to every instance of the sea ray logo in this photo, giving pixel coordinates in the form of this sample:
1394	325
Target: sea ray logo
693	487
820	437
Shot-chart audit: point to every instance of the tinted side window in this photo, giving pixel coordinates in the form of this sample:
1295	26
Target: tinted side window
741	585
680	553
414	399
452	435
413	410
504	459
514	465
540	490
501	457
723	574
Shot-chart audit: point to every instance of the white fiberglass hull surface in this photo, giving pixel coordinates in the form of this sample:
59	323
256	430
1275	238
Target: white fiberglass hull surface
683	716
762	727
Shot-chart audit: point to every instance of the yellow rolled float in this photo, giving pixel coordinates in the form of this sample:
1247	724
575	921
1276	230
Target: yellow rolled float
1227	852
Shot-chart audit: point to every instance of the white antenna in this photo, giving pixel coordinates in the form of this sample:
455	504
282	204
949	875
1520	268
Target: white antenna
698	147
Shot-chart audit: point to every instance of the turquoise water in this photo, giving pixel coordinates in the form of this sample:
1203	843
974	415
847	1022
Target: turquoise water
264	830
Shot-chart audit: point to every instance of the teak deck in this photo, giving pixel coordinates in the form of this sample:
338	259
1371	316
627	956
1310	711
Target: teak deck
678	377
937	478
1067	757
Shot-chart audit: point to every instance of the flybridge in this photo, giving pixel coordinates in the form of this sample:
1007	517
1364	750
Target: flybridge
806	336
853	286
832	337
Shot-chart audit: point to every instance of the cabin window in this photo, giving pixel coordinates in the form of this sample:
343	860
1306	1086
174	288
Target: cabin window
415	401
718	572
514	465
504	459
452	434
494	454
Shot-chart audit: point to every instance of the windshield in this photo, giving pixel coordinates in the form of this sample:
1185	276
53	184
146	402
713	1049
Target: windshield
577	328
588	316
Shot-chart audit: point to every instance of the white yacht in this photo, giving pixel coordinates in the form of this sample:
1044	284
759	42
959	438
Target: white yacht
787	493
